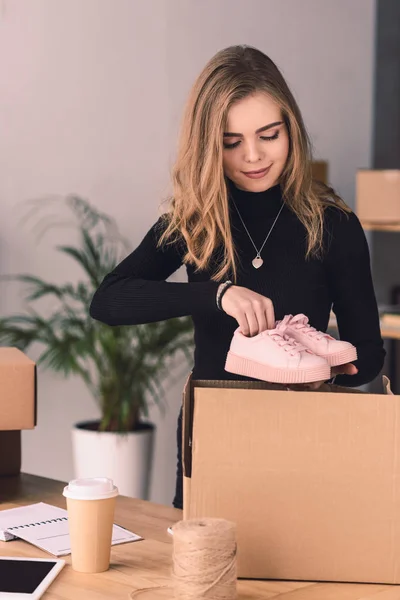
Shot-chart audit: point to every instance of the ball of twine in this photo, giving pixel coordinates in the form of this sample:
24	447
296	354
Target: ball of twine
204	559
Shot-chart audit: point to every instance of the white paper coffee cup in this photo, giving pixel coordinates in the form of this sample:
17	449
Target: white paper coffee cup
91	505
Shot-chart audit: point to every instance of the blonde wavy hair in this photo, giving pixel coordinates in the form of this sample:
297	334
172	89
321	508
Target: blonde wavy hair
198	211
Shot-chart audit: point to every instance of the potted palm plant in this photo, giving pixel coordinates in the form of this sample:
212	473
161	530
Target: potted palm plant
123	367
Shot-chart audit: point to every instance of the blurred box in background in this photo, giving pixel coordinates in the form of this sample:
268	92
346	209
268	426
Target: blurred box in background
378	196
320	170
17	406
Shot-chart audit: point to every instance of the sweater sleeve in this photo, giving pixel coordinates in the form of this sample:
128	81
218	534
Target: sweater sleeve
136	292
354	302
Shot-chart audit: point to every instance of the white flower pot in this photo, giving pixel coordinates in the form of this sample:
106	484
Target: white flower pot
126	458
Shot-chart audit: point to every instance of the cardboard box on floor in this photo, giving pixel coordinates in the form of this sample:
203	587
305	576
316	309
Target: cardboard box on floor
378	196
17	406
312	479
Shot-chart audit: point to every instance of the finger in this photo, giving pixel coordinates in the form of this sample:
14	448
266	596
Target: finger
252	321
270	314
316	385
348	369
312	386
261	320
243	324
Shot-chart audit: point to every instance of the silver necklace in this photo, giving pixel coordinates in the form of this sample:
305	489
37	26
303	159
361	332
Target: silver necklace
257	262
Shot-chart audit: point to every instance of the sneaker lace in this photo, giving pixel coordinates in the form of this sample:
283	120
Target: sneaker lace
283	340
301	323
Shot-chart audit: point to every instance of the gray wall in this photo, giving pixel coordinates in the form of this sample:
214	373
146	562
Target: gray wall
90	97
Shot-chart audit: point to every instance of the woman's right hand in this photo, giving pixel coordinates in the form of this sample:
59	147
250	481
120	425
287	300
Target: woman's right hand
254	312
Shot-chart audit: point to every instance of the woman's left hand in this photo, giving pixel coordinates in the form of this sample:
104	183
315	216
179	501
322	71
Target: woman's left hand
347	369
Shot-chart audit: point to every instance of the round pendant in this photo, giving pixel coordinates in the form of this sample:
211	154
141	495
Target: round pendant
257	262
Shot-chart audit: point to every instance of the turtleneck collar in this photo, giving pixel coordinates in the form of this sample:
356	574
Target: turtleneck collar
266	204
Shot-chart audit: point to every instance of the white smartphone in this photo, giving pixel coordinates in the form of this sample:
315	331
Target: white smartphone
27	578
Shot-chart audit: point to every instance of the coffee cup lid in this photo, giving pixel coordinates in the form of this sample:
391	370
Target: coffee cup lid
95	488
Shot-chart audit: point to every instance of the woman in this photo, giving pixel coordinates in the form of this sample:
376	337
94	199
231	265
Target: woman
246	210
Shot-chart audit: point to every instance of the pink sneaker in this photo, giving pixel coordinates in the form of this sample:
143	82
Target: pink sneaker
336	352
275	357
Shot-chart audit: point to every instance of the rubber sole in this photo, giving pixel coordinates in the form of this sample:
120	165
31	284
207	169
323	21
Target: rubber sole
342	358
250	368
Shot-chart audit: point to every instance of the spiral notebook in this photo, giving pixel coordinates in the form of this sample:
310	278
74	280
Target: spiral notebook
46	527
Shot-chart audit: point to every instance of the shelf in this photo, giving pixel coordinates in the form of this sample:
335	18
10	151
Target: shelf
390	333
368	226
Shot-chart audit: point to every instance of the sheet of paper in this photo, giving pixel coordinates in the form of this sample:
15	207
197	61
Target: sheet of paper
46	527
34	513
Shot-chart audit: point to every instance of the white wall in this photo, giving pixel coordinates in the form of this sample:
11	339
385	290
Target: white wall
90	98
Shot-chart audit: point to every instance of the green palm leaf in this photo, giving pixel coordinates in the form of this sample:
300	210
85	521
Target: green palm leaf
123	367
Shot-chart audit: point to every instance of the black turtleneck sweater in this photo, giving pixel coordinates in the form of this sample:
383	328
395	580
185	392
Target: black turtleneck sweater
137	291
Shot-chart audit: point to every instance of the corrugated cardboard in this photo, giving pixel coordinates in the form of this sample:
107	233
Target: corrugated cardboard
320	170
312	479
378	196
17	390
17	406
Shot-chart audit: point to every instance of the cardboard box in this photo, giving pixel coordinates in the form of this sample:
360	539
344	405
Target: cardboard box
320	170
18	402
378	196
10	453
312	479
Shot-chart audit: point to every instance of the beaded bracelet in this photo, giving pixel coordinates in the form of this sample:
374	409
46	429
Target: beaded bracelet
221	291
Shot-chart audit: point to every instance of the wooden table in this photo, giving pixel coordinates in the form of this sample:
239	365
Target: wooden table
147	563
